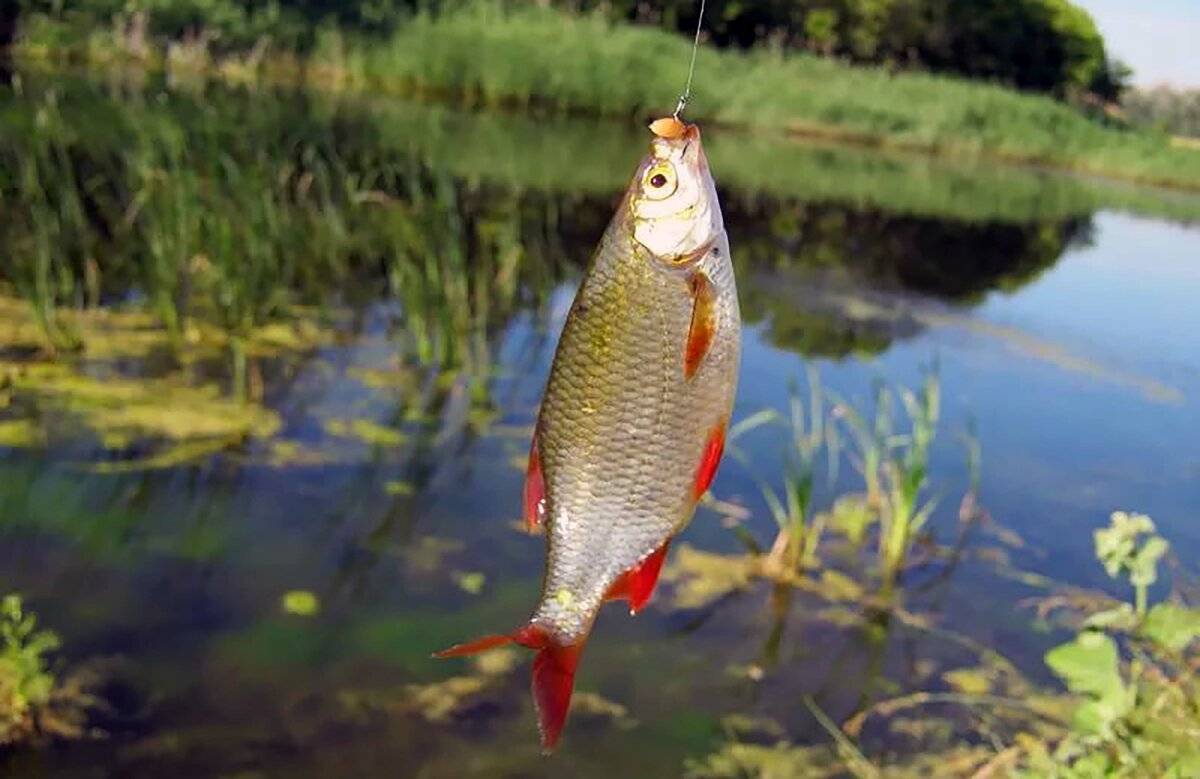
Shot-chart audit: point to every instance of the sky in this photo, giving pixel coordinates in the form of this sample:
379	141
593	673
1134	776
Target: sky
1159	39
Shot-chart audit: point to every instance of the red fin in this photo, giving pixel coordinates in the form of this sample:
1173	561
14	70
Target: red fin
553	674
637	584
474	647
709	461
531	636
553	682
535	489
704	323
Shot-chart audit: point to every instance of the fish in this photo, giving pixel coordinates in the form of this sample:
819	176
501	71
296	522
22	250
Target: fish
632	424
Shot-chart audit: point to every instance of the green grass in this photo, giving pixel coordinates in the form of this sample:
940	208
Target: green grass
584	64
566	155
540	58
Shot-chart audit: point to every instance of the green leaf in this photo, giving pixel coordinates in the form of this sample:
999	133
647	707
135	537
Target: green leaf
1143	569
758	419
1122	618
1090	666
1172	626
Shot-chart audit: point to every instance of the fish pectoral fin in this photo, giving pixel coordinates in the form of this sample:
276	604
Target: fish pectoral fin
703	326
637	584
535	489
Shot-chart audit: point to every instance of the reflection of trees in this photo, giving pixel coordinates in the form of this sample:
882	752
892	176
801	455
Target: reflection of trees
824	277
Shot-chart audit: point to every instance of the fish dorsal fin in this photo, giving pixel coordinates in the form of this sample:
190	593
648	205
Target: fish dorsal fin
637	584
703	326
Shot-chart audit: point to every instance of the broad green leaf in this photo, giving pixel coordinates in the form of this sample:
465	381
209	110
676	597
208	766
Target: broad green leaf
1090	665
1172	626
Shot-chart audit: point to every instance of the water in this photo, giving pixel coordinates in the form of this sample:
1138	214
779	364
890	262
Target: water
436	266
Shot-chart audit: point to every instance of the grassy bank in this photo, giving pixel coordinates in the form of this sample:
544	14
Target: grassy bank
540	58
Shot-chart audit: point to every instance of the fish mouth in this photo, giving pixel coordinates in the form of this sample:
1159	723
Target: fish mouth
688	259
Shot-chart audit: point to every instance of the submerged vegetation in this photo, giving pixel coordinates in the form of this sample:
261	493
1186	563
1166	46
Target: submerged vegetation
186	252
35	704
1133	704
487	54
893	464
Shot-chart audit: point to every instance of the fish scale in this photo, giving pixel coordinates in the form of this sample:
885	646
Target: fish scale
632	423
631	490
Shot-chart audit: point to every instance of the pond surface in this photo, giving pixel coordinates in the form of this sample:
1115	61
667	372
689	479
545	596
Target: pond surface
426	258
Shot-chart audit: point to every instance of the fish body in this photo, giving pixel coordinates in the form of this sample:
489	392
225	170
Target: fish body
632	423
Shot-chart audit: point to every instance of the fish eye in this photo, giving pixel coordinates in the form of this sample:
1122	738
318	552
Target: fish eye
660	181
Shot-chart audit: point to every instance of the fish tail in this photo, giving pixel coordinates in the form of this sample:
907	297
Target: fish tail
553	674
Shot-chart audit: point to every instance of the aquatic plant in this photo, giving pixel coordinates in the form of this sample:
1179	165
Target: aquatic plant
1138	698
892	463
894	466
1131	710
1118	548
35	704
799	533
26	683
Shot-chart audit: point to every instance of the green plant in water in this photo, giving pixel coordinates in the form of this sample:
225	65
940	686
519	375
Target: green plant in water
799	535
799	532
26	683
905	475
895	468
1129	546
1141	717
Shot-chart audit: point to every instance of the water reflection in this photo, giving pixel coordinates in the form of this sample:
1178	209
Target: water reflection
826	279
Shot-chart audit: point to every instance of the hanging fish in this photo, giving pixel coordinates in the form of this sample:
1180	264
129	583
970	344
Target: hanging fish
632	425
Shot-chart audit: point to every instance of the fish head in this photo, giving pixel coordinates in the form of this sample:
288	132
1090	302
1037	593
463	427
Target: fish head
673	200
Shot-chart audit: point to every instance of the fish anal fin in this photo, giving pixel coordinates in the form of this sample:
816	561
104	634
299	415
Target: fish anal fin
714	447
535	489
637	584
703	327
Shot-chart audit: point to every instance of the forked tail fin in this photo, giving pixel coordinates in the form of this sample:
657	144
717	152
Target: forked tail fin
553	674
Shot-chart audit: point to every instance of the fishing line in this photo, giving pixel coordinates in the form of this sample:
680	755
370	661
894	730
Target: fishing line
687	88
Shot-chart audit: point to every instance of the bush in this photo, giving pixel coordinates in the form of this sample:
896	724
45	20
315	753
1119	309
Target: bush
1043	45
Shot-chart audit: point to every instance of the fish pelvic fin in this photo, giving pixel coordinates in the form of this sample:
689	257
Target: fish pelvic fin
637	584
554	668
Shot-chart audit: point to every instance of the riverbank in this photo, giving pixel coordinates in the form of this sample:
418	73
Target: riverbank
556	63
